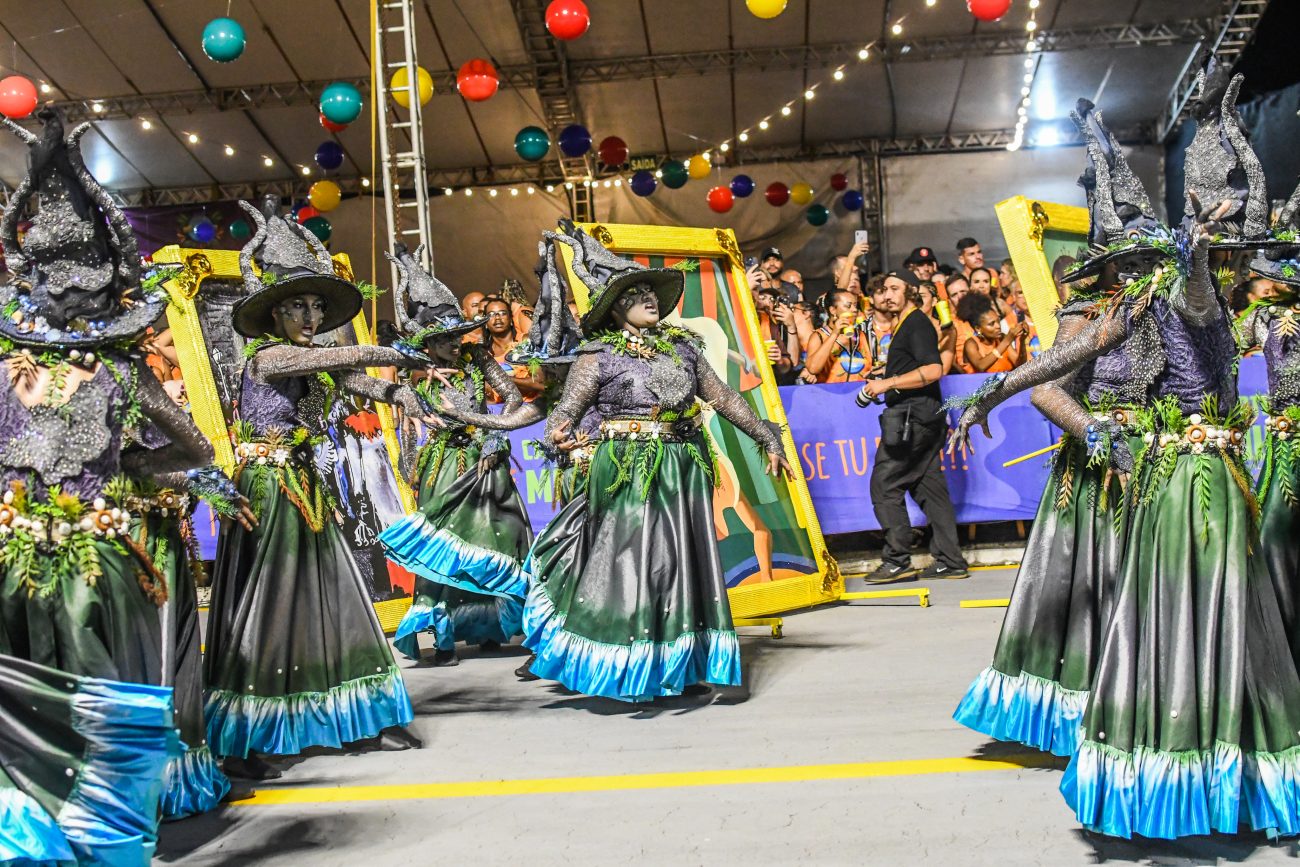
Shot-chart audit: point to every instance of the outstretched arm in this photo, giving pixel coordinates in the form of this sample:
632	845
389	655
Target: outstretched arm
188	447
496	377
519	417
728	403
381	390
278	362
1065	357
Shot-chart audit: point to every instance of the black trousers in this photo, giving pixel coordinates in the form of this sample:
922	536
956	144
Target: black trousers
913	468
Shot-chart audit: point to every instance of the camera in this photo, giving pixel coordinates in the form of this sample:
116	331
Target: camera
865	398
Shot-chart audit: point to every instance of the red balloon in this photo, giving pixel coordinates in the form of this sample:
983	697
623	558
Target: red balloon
567	19
305	214
17	96
331	125
988	10
613	151
839	183
477	80
721	199
777	194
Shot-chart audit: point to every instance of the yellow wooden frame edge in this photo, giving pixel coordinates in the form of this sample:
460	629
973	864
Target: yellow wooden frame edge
752	600
1023	222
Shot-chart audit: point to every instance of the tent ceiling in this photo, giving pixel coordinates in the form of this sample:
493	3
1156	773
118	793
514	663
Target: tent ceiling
103	49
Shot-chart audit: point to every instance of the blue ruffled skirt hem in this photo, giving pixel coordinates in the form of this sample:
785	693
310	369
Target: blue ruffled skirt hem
28	835
640	671
495	618
444	558
1165	795
194	784
1025	709
286	725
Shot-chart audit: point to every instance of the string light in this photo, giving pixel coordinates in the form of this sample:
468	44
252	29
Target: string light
468	191
193	139
45	87
493	192
97	107
268	162
1031	65
897	29
532	190
786	110
838	75
809	93
146	125
724	147
230	152
447	191
514	191
306	171
743	137
864	53
365	182
763	124
550	188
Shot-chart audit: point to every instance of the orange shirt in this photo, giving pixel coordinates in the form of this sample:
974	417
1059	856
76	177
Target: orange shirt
1006	361
964	333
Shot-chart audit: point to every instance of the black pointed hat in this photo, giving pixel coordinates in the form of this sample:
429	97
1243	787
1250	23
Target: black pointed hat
425	307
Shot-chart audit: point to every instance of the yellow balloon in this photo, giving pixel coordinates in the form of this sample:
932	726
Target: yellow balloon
402	95
698	168
766	8
324	195
801	194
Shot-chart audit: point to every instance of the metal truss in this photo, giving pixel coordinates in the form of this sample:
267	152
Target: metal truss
557	74
542	175
1233	30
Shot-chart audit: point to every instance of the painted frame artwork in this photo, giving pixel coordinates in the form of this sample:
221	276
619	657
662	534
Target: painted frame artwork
1037	235
773	553
362	463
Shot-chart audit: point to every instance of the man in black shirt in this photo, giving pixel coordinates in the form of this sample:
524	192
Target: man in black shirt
912	430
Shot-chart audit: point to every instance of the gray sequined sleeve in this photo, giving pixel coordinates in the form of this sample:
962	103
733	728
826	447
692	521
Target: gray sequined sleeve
728	403
276	362
1254	330
580	392
520	417
1065	357
496	377
187	448
381	390
1054	399
1198	303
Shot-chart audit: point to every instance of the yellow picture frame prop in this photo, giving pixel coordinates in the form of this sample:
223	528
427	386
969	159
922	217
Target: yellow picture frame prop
822	581
1036	233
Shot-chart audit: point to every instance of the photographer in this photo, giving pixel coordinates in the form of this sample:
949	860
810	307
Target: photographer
912	430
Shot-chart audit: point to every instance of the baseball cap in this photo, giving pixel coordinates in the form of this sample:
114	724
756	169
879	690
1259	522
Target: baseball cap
906	276
921	256
771	253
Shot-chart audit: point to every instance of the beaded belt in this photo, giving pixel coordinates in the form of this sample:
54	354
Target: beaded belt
164	503
637	428
1126	418
262	453
1198	436
102	518
582	455
1280	425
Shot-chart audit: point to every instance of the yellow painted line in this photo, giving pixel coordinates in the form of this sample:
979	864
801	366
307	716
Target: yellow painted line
994	568
632	782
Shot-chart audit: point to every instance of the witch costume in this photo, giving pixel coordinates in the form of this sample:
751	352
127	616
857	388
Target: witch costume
467	539
637	606
295	654
1273	325
86	724
1193	719
1036	689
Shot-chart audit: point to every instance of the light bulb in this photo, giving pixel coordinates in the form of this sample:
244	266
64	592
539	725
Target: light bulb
897	29
863	54
785	110
306	171
468	191
607	185
45	87
809	93
838	75
724	147
1013	145
146	124
1029	78
365	182
97	107
1031	25
1033	4
230	152
550	188
659	173
618	182
1024	91
492	192
193	138
743	137
268	162
762	124
1029	63
531	190
514	191
1031	45
568	185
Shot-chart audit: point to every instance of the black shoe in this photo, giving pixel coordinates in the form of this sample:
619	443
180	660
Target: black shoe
525	671
397	738
250	768
490	646
939	570
445	658
696	689
888	573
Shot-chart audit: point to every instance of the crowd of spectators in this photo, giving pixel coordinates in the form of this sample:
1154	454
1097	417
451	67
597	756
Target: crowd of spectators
980	315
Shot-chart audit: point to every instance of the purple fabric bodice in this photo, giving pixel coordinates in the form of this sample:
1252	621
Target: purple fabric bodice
274	405
76	446
1282	358
1109	375
633	387
1199	359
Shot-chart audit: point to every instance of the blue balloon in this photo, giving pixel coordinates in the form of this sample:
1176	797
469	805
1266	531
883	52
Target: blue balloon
852	200
742	186
203	230
643	183
340	102
575	140
329	156
223	40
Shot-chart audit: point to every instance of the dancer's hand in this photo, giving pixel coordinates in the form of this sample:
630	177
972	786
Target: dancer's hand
244	514
778	466
960	437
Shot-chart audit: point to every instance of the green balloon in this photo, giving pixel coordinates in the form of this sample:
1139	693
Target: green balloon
320	227
240	230
817	215
675	174
532	143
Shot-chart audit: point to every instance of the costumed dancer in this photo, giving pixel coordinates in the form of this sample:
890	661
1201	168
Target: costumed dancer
638	606
467	539
1273	325
87	730
295	654
1036	689
1193	719
549	349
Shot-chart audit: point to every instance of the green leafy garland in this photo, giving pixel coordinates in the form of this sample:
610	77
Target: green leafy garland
661	339
1281	462
76	557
